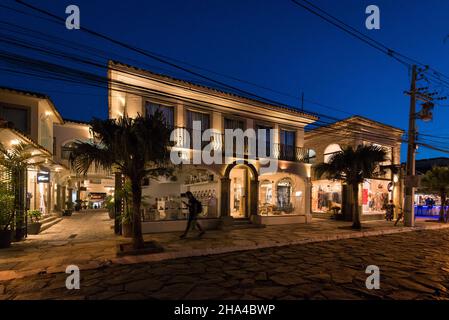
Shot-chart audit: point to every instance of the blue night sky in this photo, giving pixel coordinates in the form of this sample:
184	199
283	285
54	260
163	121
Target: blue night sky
273	43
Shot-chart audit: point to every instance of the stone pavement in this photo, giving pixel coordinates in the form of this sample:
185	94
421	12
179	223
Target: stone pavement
413	265
86	239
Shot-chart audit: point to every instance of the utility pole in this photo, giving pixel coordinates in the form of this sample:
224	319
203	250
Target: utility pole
409	218
425	114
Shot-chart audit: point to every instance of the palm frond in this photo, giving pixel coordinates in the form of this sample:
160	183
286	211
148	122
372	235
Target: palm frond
86	154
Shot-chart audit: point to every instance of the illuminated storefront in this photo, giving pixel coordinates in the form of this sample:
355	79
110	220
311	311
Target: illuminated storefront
326	196
375	195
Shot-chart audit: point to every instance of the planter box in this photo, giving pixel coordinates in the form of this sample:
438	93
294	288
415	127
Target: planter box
34	228
5	239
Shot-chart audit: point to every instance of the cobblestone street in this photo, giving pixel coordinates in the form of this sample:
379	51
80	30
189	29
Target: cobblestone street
413	265
87	240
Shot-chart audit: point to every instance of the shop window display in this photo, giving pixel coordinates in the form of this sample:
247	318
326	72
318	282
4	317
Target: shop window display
167	203
284	196
238	194
375	196
279	198
266	197
326	196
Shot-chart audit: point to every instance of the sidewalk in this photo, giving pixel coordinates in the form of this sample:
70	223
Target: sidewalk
87	240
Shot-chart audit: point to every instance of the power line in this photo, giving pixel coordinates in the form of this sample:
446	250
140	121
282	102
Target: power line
119	86
19	1
154	57
223	75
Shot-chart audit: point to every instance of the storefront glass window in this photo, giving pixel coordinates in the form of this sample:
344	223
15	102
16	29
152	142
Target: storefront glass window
326	196
162	199
284	193
375	195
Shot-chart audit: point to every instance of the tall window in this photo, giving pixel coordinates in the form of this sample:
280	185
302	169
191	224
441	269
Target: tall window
198	116
17	115
167	112
288	143
267	138
284	192
234	124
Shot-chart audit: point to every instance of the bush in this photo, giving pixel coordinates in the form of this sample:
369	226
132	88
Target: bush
6	206
34	215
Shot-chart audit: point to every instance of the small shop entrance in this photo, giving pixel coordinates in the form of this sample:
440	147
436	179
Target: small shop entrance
240	177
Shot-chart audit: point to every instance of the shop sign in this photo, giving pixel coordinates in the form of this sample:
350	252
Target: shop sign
43	177
97	196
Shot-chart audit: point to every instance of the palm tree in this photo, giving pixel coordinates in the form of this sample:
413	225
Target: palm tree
436	181
353	166
15	161
137	148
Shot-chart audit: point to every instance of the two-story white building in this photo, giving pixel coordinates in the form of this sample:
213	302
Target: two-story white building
234	191
31	118
331	196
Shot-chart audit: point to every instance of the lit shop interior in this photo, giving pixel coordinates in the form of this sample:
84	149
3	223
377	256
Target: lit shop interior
428	205
281	195
278	194
162	199
375	195
327	196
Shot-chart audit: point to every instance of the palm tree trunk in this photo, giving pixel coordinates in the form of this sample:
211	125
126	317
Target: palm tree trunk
443	201
355	207
136	187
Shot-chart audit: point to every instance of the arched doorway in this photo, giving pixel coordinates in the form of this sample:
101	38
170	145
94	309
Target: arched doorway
243	190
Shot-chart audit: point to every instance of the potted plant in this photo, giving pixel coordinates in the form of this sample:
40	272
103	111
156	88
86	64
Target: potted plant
34	226
110	206
69	208
6	215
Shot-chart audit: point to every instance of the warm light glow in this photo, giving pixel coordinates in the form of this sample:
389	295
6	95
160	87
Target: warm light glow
15	142
395	178
298	193
48	113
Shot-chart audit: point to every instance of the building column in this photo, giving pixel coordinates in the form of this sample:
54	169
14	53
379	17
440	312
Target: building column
225	213
63	197
49	197
254	197
58	197
308	198
69	194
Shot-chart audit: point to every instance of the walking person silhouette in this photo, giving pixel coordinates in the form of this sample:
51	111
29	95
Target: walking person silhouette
195	208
